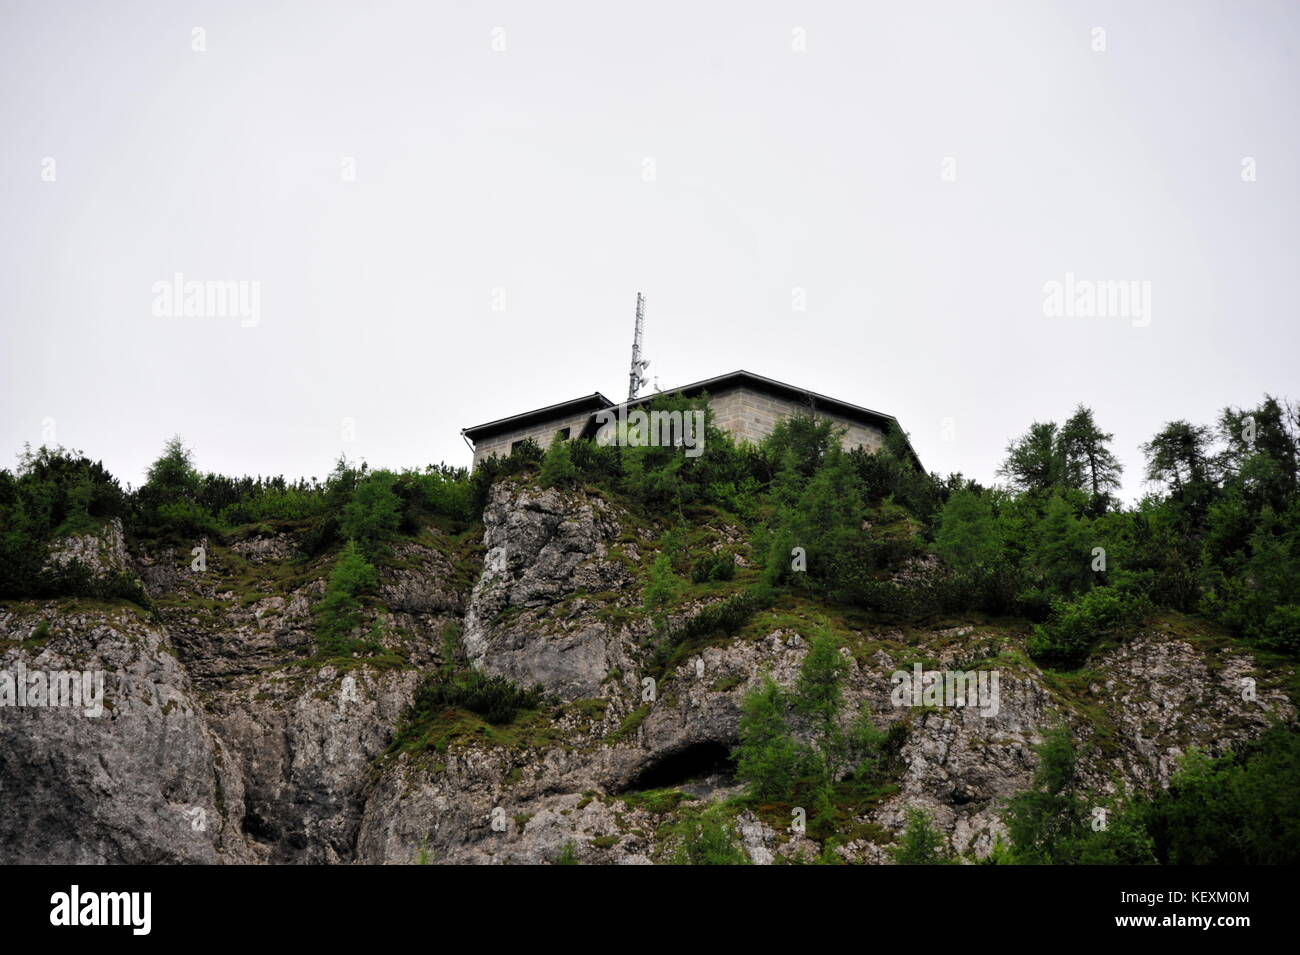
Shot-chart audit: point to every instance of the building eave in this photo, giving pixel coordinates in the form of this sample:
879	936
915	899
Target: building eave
589	403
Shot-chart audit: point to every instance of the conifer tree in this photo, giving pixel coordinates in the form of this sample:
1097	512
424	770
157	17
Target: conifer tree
1033	461
766	757
1087	460
557	466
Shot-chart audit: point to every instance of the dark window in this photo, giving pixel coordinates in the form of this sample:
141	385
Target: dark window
514	445
564	433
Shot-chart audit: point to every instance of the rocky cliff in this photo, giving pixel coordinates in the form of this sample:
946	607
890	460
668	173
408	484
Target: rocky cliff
228	735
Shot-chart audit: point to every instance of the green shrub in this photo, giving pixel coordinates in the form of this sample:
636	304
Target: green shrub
53	493
374	513
169	505
596	463
273	504
185	521
967	534
568	855
720	566
722	618
438	490
172	477
74	579
709	839
525	457
922	843
1065	640
1281	630
1239	809
494	698
726	616
557	466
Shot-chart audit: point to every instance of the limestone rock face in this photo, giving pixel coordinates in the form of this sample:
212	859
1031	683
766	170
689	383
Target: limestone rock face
422	582
1167	695
101	551
544	547
145	781
303	748
226	736
220	632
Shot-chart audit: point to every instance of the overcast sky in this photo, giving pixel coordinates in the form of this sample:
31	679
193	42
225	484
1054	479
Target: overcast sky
450	207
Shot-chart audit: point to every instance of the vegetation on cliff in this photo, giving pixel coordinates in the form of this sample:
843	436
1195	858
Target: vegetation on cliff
798	533
1218	536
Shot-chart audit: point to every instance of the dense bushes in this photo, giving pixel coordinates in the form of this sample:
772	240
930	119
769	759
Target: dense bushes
815	540
1239	809
1221	536
1254	587
1075	625
724	617
720	566
709	838
371	518
494	698
178	504
438	490
558	469
272	503
53	493
169	505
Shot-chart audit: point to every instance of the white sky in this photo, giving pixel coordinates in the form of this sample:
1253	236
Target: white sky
523	170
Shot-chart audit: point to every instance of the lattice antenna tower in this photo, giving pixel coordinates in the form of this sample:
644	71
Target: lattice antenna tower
637	379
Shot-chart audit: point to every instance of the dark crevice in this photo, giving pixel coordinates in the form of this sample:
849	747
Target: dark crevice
255	826
692	762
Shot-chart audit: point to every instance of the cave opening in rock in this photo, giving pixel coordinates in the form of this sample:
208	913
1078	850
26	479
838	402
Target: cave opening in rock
697	761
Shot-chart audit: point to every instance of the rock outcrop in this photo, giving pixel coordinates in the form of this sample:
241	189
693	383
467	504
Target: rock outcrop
526	619
226	736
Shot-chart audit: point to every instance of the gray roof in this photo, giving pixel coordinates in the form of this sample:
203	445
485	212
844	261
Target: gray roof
592	402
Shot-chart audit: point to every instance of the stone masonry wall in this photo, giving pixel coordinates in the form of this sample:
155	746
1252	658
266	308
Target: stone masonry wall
751	415
542	434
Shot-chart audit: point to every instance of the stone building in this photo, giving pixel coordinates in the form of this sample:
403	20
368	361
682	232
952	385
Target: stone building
744	404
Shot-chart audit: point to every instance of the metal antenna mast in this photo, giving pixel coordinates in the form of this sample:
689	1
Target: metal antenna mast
636	379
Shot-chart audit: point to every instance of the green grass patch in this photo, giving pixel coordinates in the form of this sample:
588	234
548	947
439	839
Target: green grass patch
631	723
656	801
